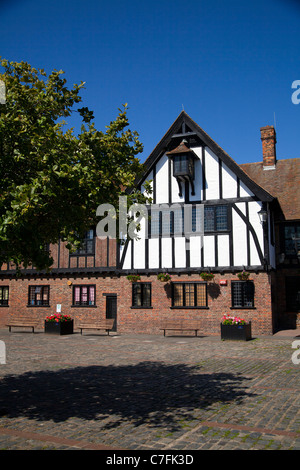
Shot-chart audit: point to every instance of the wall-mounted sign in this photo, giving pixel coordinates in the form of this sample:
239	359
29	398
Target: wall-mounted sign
223	282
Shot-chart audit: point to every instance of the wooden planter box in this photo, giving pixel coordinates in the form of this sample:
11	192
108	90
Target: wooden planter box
236	332
59	328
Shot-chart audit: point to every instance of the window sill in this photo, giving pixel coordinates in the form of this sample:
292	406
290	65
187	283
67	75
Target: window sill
39	306
140	307
242	308
191	308
83	306
4	305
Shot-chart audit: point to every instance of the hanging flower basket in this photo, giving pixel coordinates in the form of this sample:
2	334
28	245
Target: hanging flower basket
163	277
133	277
207	276
243	276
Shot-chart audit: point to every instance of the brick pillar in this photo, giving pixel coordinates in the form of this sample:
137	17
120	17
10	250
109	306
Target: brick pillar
268	138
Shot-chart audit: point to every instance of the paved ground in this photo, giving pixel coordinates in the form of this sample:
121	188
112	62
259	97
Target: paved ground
147	392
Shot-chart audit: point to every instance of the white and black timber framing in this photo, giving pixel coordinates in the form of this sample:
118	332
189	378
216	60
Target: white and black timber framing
219	181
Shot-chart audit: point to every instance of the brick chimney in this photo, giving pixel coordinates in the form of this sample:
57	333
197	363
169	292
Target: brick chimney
268	138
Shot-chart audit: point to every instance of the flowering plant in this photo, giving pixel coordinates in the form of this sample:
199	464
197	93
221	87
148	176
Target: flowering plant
164	277
229	320
133	277
207	276
243	276
58	317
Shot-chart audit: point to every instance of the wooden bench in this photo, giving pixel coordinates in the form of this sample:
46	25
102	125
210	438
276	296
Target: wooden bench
106	324
22	323
179	326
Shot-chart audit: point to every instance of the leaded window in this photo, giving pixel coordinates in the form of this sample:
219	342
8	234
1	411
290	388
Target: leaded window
38	296
84	295
4	295
216	218
242	293
141	294
87	246
173	220
189	294
291	231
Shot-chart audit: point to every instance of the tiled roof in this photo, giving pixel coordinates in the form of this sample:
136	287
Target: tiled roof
283	183
182	148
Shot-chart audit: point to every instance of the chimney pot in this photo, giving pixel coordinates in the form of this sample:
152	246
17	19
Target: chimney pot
268	138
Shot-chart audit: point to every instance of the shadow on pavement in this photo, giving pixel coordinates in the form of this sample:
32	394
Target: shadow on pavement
154	393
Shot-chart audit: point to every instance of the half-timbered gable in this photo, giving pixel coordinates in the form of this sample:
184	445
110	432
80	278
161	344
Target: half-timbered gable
187	168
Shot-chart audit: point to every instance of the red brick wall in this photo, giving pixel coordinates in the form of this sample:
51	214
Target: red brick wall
208	320
141	320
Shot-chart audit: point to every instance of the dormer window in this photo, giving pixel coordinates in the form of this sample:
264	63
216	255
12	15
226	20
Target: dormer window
183	165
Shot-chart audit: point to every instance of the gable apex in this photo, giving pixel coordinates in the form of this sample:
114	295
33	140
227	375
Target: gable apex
185	128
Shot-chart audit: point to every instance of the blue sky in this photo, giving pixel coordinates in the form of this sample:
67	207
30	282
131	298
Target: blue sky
229	63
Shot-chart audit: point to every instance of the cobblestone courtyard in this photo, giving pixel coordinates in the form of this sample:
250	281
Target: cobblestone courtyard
138	392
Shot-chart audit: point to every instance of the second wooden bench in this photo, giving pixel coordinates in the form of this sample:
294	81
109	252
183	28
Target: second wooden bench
22	323
106	325
184	326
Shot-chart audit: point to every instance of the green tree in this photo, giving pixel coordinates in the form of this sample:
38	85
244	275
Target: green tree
52	181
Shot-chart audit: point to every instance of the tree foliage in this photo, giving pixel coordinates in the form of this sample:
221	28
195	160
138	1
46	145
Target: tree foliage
51	180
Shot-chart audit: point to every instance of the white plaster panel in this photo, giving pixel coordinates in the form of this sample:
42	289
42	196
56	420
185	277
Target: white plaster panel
223	250
209	251
139	254
254	207
254	258
211	175
162	180
198	176
166	252
153	253
180	261
229	182
244	191
195	252
127	261
239	237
